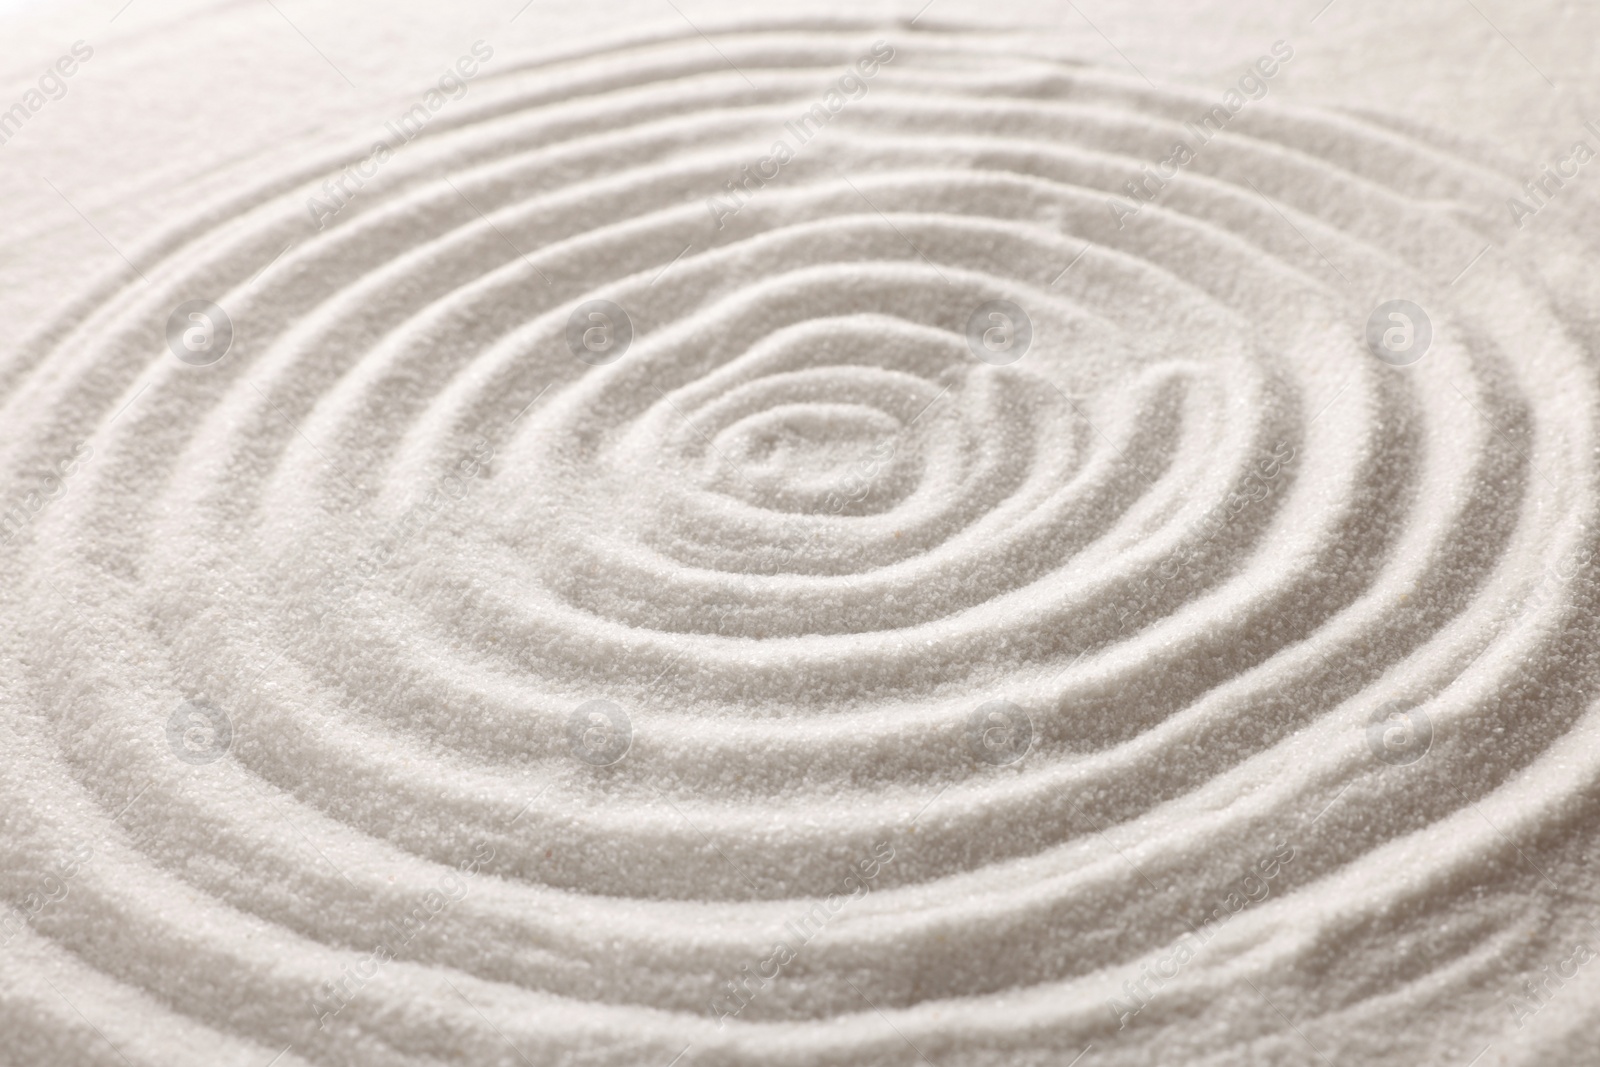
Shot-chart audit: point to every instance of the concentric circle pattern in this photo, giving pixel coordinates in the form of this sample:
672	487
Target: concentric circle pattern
797	681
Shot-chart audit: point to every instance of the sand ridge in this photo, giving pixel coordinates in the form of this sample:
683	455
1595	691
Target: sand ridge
915	613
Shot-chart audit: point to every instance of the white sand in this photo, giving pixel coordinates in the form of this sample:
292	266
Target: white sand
790	678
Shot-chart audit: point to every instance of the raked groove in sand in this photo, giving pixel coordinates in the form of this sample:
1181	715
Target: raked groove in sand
428	687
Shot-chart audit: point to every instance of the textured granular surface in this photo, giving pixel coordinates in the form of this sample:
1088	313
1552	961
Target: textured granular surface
871	542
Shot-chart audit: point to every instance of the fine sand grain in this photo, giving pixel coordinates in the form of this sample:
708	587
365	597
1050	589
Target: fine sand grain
867	543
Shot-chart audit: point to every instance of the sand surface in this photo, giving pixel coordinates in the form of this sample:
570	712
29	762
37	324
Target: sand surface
804	535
